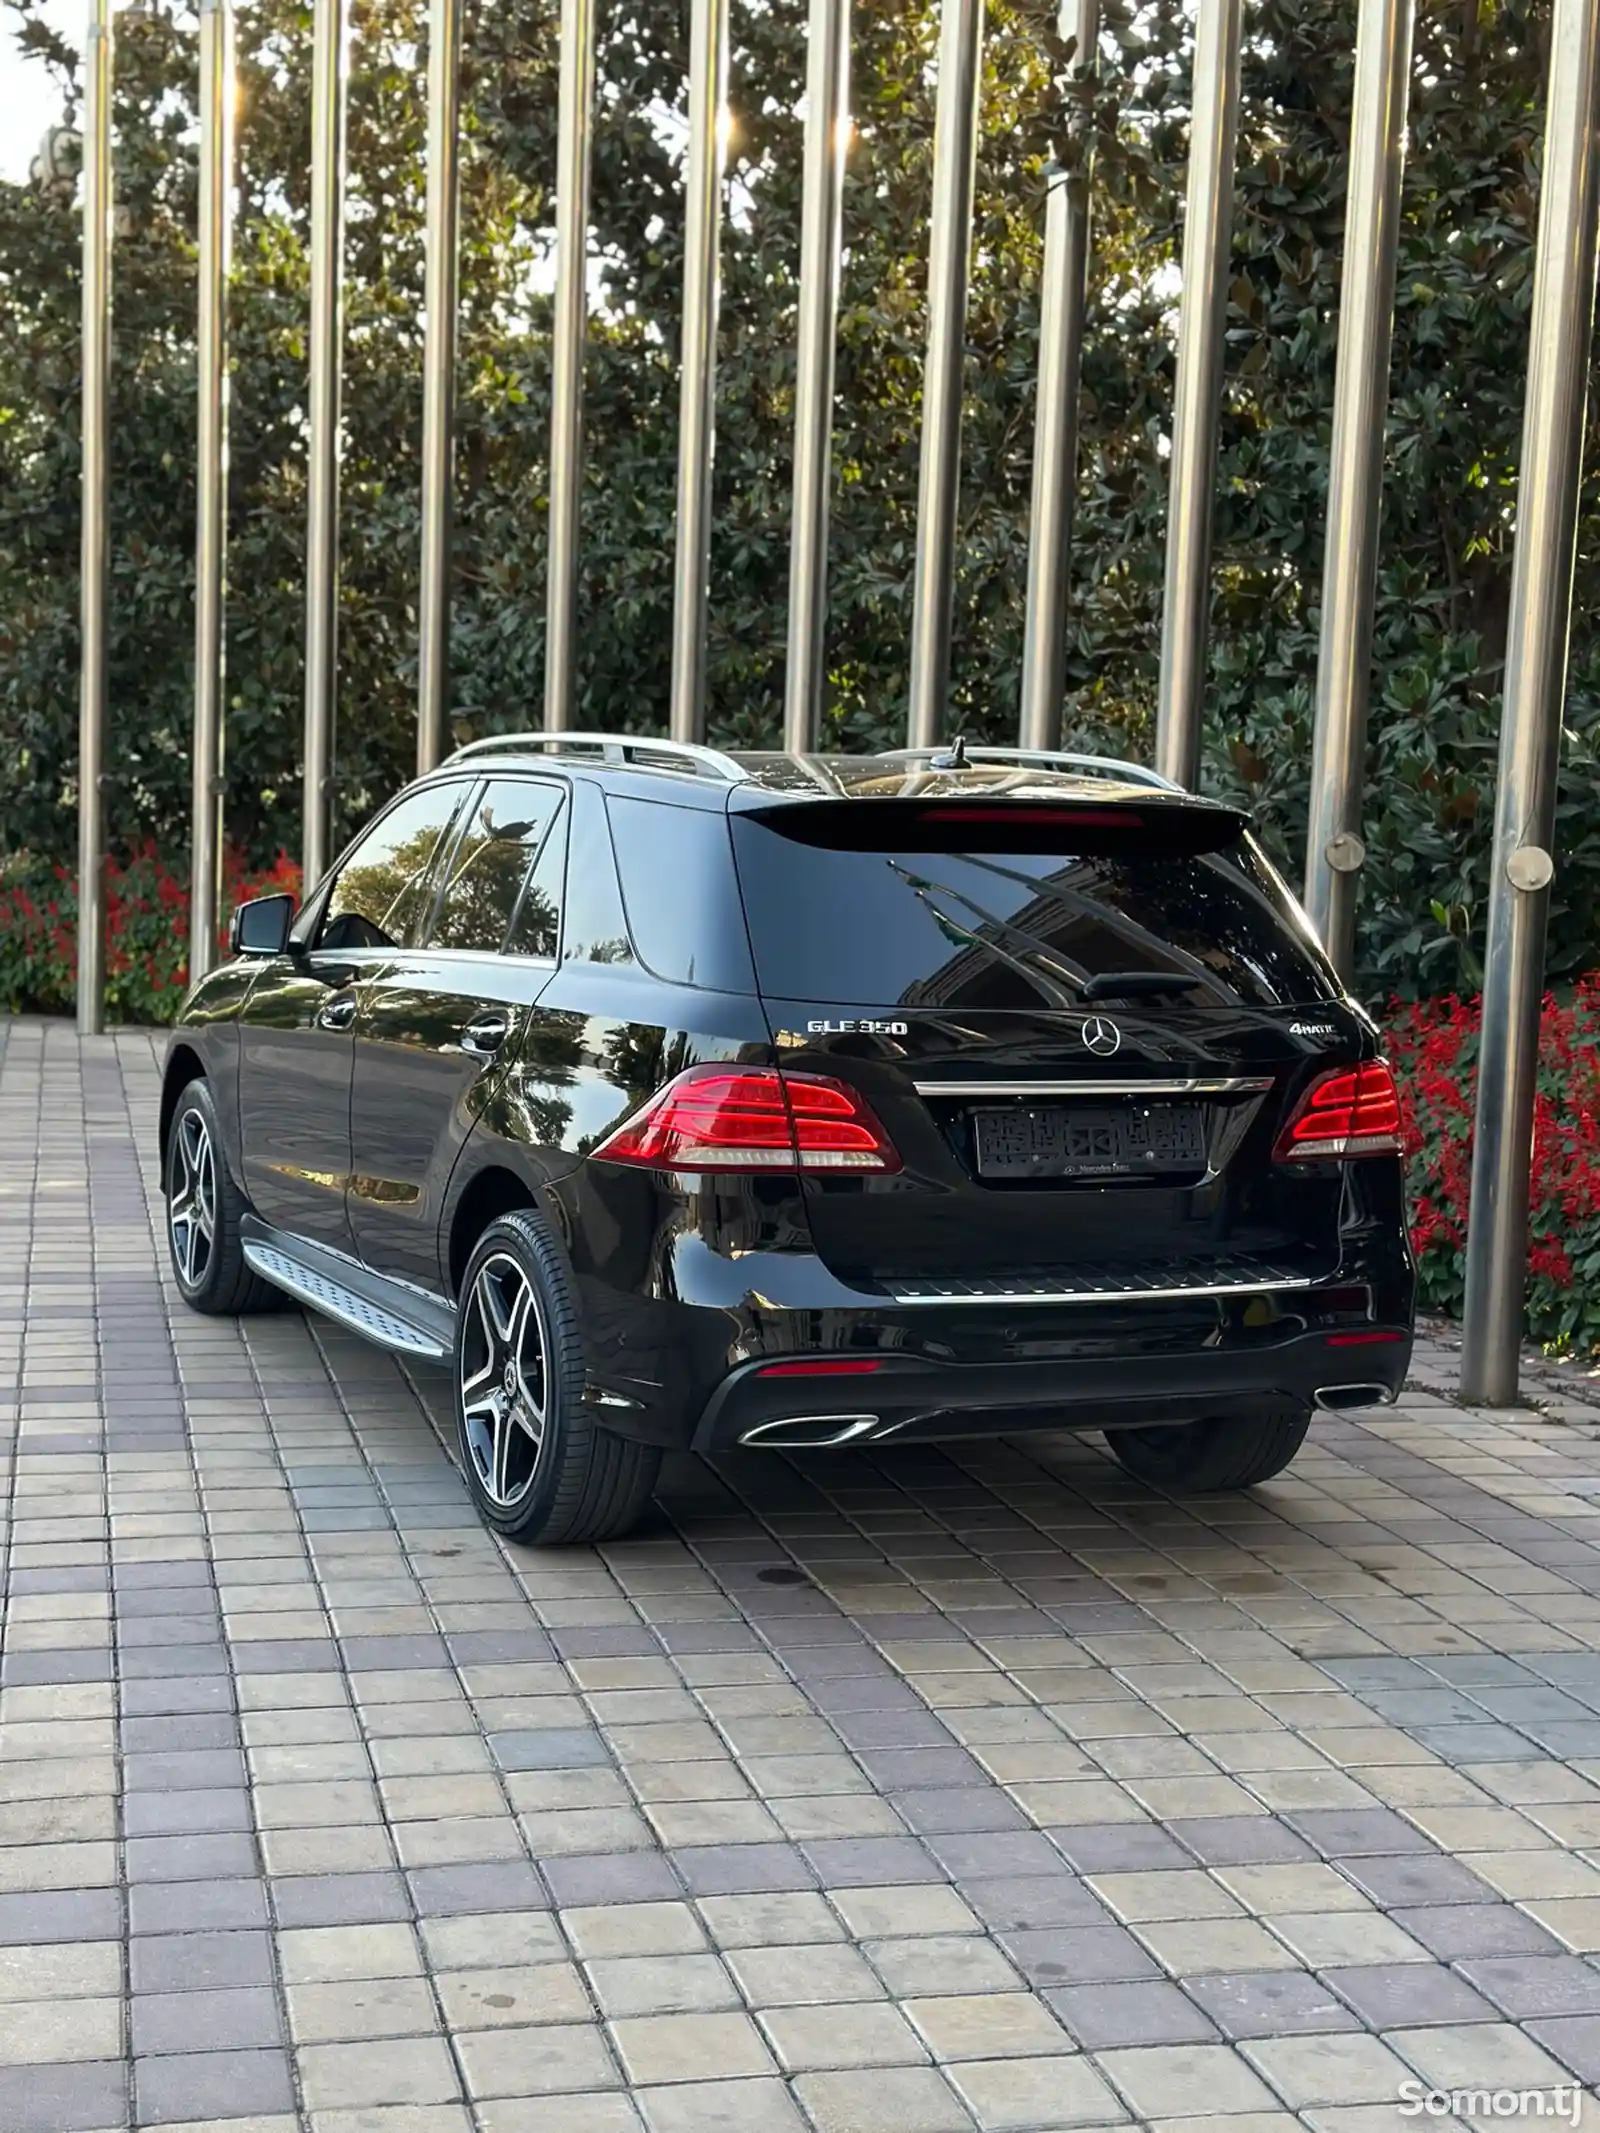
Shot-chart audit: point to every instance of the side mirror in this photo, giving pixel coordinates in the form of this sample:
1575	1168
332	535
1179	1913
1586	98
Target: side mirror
261	927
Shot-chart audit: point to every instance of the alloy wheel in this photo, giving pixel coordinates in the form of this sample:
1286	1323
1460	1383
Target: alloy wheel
504	1376
192	1202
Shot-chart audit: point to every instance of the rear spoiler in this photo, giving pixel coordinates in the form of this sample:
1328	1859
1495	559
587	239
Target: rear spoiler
1144	824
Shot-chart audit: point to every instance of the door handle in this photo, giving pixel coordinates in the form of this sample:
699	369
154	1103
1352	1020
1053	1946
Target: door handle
337	1013
484	1036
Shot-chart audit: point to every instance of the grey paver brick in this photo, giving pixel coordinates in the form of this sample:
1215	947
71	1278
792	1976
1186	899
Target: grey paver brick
235	2018
339	1899
660	1984
1404	1995
1165	2082
78	2098
742	2106
618	1877
689	2047
186	2087
1145	2012
899	2099
513	1997
1026	2095
398	2070
356	2010
1325	2070
1270	2003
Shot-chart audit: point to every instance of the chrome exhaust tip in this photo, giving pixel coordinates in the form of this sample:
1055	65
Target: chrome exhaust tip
810	1432
1334	1399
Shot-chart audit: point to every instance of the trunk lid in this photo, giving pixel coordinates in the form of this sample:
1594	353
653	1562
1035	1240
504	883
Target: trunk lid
1081	1023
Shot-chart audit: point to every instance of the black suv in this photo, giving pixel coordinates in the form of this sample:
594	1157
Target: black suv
676	1099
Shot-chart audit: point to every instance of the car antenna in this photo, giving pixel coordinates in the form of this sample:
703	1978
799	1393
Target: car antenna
954	757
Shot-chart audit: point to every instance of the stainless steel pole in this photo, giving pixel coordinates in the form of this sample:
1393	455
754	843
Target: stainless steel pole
330	68
573	149
1334	851
821	237
1202	317
955	152
708	144
211	484
439	377
1062	296
96	550
1535	690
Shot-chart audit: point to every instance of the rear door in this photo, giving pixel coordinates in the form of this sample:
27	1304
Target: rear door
434	1024
1079	1020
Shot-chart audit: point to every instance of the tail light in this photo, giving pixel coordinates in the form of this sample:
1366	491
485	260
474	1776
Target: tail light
752	1118
1352	1111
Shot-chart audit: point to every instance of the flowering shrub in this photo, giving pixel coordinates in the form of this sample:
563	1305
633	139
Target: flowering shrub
147	931
1433	1045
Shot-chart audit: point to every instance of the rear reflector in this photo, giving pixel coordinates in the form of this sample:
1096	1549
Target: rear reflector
752	1118
855	1366
1362	1340
1351	1112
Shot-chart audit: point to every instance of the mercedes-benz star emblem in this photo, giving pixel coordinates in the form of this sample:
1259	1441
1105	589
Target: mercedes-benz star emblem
1101	1037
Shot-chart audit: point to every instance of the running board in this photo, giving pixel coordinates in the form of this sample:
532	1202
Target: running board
393	1314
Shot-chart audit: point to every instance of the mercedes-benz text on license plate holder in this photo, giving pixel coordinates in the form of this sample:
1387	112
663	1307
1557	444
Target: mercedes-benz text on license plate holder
1109	1140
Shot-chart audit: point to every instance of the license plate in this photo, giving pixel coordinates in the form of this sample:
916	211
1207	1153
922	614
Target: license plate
1090	1140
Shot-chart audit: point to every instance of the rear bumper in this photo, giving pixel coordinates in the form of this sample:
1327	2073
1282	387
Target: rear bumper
914	1398
679	1360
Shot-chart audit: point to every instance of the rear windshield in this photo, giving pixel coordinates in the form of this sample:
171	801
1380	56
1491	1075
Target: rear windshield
1012	925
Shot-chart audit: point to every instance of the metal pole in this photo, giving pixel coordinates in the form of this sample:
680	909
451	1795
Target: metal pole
330	66
1062	297
1202	316
571	330
439	377
821	237
708	146
1334	851
1535	690
96	552
955	151
211	485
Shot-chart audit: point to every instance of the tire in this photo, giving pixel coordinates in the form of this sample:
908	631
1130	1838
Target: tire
204	1208
541	1471
1211	1457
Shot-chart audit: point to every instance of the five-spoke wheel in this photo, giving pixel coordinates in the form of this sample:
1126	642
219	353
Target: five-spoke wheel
539	1465
205	1211
505	1376
192	1198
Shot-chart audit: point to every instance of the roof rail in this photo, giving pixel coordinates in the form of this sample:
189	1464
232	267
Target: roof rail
644	751
1046	759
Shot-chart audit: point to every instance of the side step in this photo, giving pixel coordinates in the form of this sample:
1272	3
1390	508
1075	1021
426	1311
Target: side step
391	1313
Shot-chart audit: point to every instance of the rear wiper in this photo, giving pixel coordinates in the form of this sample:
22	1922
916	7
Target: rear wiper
1135	984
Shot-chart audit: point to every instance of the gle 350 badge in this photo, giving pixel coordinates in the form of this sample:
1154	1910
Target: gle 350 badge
860	1026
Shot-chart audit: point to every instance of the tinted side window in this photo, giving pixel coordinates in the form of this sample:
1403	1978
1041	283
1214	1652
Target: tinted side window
489	862
536	927
383	888
682	900
594	929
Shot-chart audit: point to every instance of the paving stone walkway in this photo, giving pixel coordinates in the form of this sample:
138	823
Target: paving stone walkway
942	1790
